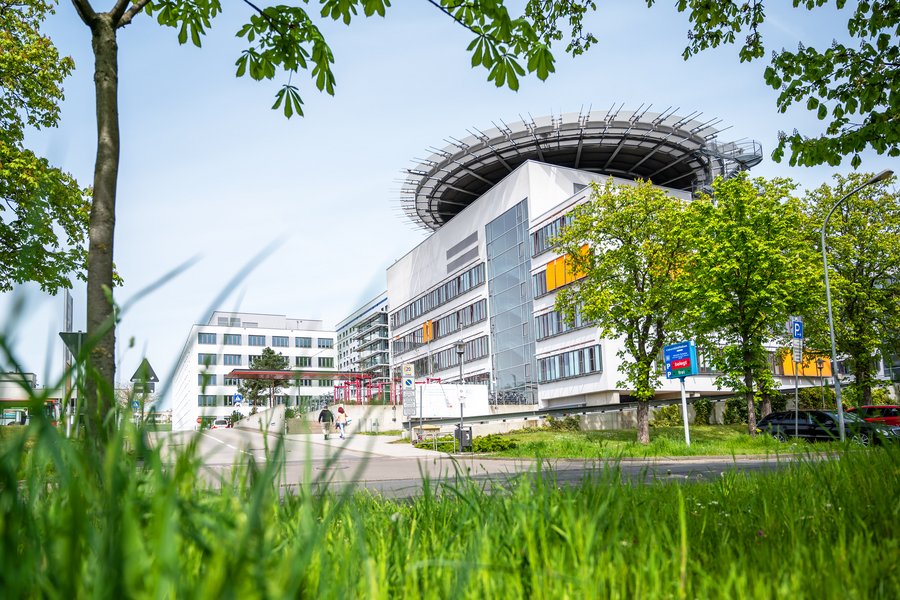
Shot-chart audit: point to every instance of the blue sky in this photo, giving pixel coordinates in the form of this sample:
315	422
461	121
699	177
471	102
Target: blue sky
209	172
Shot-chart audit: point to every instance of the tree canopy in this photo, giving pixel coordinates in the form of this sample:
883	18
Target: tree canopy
863	244
258	392
752	269
627	244
43	212
853	85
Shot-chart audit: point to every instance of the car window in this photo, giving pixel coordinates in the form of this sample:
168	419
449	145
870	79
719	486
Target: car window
852	417
890	412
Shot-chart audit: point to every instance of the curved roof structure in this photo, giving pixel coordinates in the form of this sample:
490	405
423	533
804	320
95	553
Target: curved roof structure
680	152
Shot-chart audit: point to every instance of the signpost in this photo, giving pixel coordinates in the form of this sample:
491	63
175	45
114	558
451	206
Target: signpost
681	362
795	328
237	399
408	371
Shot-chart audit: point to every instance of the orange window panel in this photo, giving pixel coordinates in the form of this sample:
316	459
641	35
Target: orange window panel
807	367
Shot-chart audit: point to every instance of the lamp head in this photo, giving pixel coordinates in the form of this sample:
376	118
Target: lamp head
880	177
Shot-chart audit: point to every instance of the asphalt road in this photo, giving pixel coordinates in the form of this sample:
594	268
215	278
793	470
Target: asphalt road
399	470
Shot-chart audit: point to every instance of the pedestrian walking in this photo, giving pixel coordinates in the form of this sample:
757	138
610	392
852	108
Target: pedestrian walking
341	420
326	418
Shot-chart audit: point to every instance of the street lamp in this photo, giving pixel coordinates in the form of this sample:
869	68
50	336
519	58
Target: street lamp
834	374
460	352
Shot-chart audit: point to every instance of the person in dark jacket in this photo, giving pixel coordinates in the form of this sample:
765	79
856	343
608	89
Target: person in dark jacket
326	418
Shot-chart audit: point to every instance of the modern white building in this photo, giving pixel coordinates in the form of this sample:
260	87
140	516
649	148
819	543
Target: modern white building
230	341
363	344
488	275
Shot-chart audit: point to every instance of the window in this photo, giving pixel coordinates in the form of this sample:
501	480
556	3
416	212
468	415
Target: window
256	340
326	382
206	338
457	286
228	400
575	363
280	341
204	379
206	400
542	239
303	342
302	361
252	359
231	381
232	359
206	359
231	339
325	343
326	362
552	323
304	382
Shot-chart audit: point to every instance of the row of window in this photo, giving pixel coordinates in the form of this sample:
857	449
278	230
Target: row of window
448	325
446	359
542	239
206	379
553	323
575	363
457	286
236	360
212	400
278	341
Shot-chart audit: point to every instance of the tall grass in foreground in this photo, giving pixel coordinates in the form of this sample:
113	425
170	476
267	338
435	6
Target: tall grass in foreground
128	526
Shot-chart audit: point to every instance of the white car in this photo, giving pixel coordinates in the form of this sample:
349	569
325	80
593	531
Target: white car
219	424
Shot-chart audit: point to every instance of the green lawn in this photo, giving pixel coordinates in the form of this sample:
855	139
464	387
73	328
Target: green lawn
664	441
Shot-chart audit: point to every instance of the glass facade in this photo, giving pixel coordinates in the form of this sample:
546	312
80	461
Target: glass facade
510	304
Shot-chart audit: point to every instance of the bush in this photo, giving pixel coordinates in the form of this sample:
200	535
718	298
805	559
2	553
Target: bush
493	443
291	413
236	416
570	423
702	411
667	416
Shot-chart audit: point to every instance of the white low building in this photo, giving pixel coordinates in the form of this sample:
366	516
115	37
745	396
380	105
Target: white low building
230	341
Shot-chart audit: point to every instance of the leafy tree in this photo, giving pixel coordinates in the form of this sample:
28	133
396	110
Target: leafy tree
753	268
863	242
636	253
43	212
260	392
854	87
282	40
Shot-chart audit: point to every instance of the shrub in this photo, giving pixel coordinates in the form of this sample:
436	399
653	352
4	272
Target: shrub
291	413
667	416
493	443
570	423
702	411
236	416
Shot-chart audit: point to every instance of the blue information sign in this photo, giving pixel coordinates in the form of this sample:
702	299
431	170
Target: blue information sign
797	330
680	359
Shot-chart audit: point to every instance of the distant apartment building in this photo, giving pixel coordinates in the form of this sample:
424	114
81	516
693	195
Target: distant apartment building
229	341
364	344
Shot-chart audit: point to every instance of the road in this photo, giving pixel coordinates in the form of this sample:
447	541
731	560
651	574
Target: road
399	470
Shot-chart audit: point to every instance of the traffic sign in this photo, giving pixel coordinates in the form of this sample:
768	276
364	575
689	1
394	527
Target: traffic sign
409	370
409	403
145	372
680	359
797	328
797	346
407	383
135	405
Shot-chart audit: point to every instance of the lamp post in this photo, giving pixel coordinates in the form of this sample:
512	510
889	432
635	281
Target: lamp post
460	352
834	374
820	365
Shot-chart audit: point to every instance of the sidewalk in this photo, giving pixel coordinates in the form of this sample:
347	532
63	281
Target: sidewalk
376	445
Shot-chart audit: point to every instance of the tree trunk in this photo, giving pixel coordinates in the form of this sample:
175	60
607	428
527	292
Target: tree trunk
100	382
751	409
643	422
766	404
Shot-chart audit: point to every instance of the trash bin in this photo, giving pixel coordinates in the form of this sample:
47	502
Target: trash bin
464	441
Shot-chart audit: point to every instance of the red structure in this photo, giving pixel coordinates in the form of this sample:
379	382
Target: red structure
349	387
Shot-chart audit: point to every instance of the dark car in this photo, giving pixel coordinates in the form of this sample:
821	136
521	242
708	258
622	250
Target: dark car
887	414
822	425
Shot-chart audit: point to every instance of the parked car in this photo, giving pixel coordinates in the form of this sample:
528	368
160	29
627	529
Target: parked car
822	425
888	414
220	424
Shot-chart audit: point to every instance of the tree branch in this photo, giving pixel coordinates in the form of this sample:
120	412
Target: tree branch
129	14
84	10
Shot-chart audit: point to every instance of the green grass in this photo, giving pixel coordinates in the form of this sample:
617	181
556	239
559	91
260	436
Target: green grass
706	440
390	432
113	527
